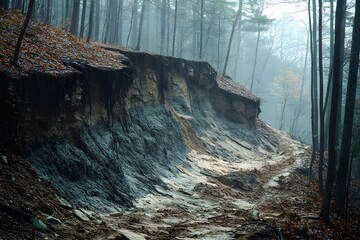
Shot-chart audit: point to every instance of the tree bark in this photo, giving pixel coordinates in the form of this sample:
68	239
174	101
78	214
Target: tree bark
74	27
255	61
344	156
174	32
22	33
238	14
321	102
338	67
91	20
201	28
143	7
162	30
83	14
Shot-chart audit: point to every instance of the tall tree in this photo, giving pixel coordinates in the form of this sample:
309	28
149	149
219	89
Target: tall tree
48	12
321	101
162	31
314	103
174	30
143	8
201	28
97	21
83	14
4	4
91	20
235	22
22	33
257	23
74	27
337	74
344	156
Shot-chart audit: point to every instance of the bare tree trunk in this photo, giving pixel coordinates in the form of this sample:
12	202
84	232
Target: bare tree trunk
174	33
74	28
134	11
282	116
119	37
338	67
239	12
255	60
305	68
22	33
140	25
344	156
91	20
97	21
162	29
201	28
83	14
168	29
48	12
321	104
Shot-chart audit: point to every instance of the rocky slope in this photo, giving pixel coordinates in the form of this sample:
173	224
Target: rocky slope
145	139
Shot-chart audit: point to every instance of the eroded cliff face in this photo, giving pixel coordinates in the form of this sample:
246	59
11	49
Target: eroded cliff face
104	138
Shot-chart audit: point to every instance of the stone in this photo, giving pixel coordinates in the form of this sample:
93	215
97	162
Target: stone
53	220
255	214
80	215
65	203
4	159
38	224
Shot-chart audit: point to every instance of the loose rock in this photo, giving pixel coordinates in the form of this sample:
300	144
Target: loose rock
4	159
81	215
38	225
53	220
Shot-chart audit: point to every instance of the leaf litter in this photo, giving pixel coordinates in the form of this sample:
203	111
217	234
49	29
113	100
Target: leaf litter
46	48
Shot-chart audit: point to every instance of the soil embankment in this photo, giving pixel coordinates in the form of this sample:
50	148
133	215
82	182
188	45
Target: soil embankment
147	147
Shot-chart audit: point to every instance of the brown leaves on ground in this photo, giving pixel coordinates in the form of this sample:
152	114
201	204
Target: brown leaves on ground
45	48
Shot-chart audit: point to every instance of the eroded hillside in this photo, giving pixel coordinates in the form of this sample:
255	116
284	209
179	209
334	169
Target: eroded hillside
154	148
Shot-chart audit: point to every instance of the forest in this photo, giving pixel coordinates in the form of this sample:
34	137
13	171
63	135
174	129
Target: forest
216	119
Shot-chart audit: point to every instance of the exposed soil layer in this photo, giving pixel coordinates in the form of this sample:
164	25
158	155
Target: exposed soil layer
25	196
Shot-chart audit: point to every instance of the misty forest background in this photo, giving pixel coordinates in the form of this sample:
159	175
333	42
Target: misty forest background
300	57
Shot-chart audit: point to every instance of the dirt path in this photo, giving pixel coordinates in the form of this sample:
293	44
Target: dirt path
214	199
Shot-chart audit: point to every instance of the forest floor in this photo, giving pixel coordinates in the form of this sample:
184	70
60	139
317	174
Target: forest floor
272	201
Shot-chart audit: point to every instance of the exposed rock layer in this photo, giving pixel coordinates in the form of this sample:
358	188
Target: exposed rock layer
106	137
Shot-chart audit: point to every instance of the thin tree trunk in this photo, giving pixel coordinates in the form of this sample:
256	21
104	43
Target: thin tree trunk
48	12
168	29
83	14
321	104
314	100
255	60
162	29
174	32
140	25
131	22
119	39
344	156
328	95
338	66
282	118
305	68
97	21
201	28
239	12
91	20
22	33
74	28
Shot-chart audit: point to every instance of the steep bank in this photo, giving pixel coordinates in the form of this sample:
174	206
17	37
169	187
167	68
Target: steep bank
105	137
